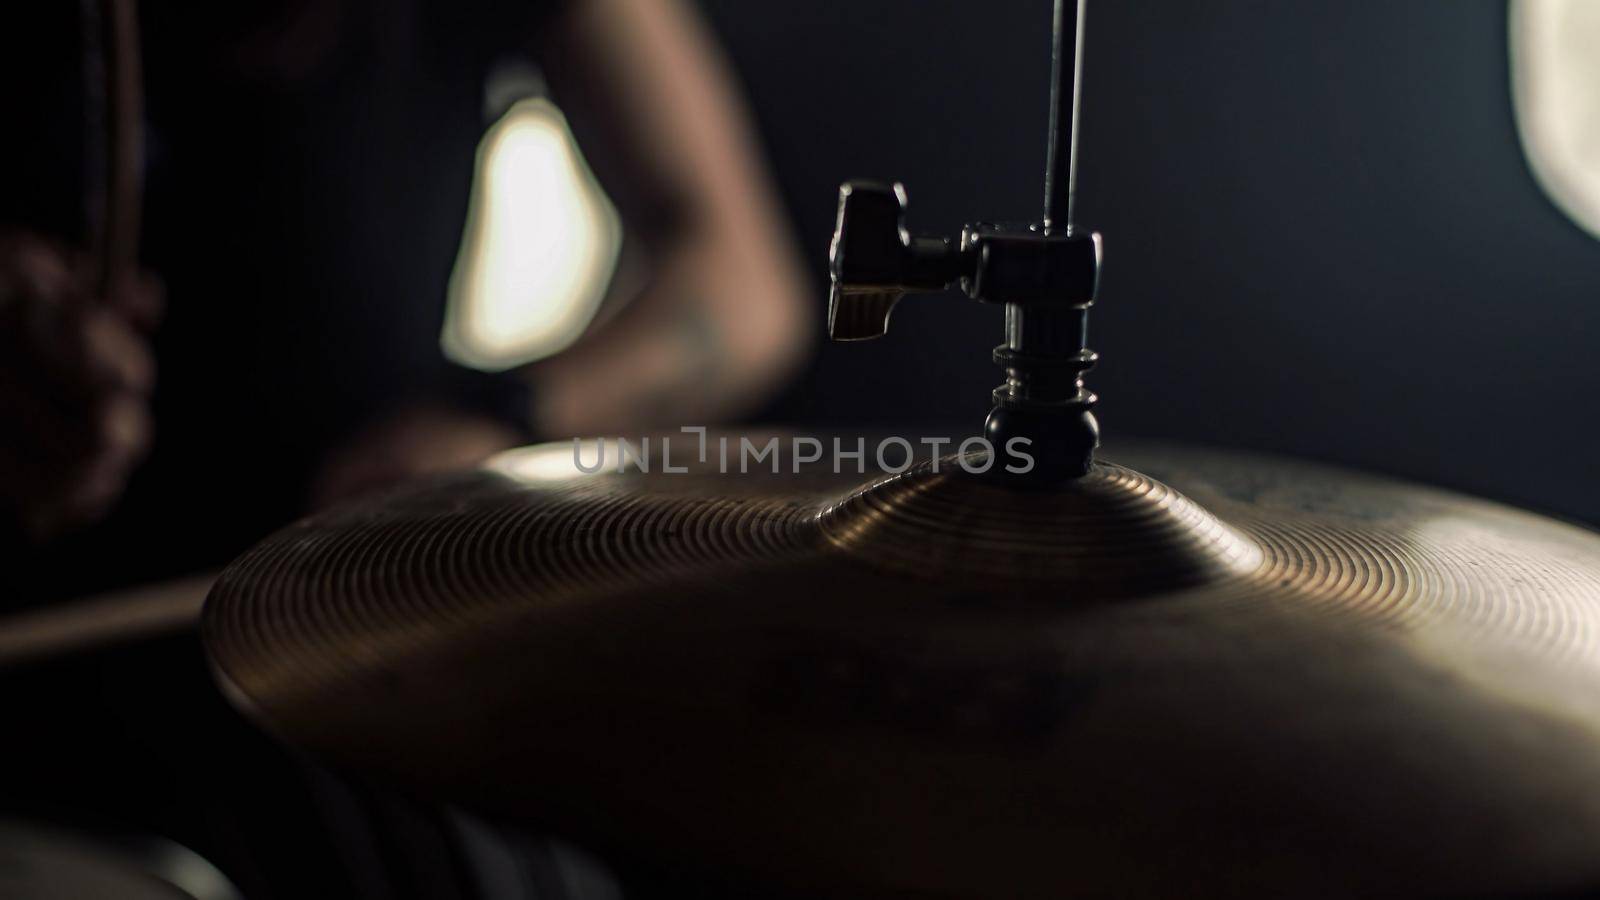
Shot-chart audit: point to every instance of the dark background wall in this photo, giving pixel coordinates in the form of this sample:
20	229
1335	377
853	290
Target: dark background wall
1322	237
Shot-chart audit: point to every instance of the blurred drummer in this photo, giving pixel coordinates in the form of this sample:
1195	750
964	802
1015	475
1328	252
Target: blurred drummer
309	166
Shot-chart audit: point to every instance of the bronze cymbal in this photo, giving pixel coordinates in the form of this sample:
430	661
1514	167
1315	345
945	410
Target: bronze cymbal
1249	675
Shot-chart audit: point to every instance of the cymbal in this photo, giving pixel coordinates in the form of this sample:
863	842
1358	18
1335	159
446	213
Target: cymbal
1192	671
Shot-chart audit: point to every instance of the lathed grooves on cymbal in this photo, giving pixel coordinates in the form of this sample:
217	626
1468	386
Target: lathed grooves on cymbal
1480	583
796	678
342	590
351	589
1113	533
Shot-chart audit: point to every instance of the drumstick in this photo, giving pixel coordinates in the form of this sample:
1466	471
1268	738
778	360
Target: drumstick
115	113
122	617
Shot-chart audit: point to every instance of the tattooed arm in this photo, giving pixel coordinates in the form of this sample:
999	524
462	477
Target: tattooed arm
722	319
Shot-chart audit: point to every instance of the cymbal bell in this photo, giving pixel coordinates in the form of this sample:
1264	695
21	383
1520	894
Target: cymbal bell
1230	674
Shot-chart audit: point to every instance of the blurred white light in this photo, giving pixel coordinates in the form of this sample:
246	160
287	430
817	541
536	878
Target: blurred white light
1555	74
540	244
550	462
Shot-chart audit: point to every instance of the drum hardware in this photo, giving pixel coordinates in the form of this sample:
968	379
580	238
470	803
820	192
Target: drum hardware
1179	672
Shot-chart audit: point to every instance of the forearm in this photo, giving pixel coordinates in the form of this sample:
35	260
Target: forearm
723	318
712	335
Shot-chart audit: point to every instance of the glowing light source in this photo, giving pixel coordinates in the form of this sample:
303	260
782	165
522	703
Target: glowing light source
1555	74
544	462
540	244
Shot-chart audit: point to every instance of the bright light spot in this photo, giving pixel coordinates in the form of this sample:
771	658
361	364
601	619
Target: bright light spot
1555	69
549	462
540	244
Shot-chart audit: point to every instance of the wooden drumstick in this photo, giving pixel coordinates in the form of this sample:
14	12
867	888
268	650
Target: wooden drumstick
115	115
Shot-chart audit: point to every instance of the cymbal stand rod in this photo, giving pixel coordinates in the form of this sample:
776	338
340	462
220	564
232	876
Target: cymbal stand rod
1045	353
1066	71
1045	274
